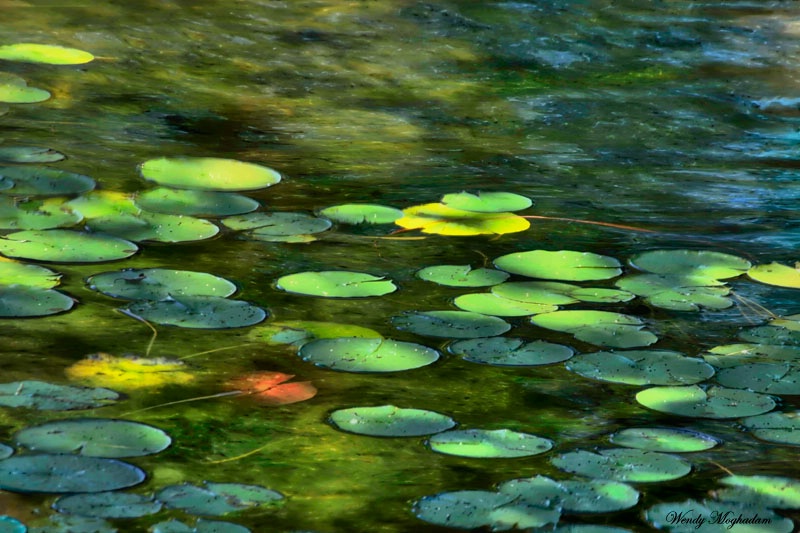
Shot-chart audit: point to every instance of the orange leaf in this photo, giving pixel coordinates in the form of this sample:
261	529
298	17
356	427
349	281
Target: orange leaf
269	388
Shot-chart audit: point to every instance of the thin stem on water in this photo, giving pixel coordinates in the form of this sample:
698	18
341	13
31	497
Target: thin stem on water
593	222
218	395
215	350
146	323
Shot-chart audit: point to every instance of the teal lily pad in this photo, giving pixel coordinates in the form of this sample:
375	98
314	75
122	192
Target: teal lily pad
44	53
771	335
361	214
201	526
159	284
602	328
15	90
623	464
769	378
198	312
710	516
691	263
492	304
641	367
670	440
390	421
678	293
733	355
60	473
44	181
107	505
487	202
29	154
578	496
6	451
454	324
36	214
11	525
94	437
278	227
52	397
60	523
65	246
352	354
462	276
509	351
780	427
156	227
194	203
773	492
482	443
565	265
208	174
18	301
216	499
698	402
336	284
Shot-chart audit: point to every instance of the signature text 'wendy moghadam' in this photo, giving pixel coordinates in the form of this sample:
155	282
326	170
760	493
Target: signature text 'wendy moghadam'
727	518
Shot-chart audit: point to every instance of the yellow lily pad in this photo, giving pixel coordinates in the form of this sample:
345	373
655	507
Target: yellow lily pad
777	274
128	373
440	219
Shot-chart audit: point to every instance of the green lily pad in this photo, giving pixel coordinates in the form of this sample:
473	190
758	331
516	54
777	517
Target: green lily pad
336	284
780	427
278	227
44	181
692	263
697	402
602	328
18	301
107	505
52	397
299	332
492	304
29	154
11	525
641	367
678	293
6	451
623	464
59	523
564	265
769	378
361	214
58	473
208	174
44	53
487	202
201	526
36	214
390	421
733	355
771	335
216	499
65	246
776	274
454	324
15	90
95	437
155	227
482	443
198	312
99	204
556	293
508	351
350	354
668	440
710	516
159	284
773	492
462	276
578	496
195	203
439	219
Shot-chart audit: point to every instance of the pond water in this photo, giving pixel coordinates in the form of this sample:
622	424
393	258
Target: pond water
675	123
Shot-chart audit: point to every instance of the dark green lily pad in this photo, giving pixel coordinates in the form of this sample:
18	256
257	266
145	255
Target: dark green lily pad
578	496
454	324
36	214
508	351
107	505
713	402
492	304
58	473
44	181
670	440
198	312
15	90
733	355
29	154
781	427
351	354
155	227
769	378
11	525
470	509
299	332
159	284
623	464
487	202
698	263
361	214
462	276
52	397
556	293
44	53
208	174
217	499
195	203
714	517
563	265
95	437
17	301
641	367
679	293
773	492
482	443
774	335
336	284
602	328
65	246
390	421
278	227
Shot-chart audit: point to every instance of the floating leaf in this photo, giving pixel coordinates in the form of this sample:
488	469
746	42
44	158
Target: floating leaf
44	53
208	174
217	499
11	525
579	496
36	214
299	332
692	263
776	274
455	324
710	516
128	373
201	526
641	367
155	227
361	214
336	284
195	203
714	402
6	451
492	304
270	388
44	181
199	312
367	355
440	219
623	464
65	246
598	327
52	397
769	378
471	509
18	301
159	283
59	523
462	276
390	421
507	351
782	427
773	492
15	90
98	204
732	355
60	473
556	293
107	505
278	227
29	154
486	202
663	440
679	293
488	443
774	334
563	265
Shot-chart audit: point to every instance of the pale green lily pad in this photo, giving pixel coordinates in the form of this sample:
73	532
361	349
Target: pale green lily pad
769	378
64	473
15	90
556	293
602	328
390	421
107	505
733	355
507	351
791	322
492	304
773	492
439	219
578	496
44	181
697	402
299	332
336	284
18	301
487	202
44	53
52	397
482	443
776	274
781	427
216	499
195	203
454	324
350	354
692	263
198	312
29	154
678	293
94	437
208	174
36	214
99	204
462	276
361	214
623	464
159	284
641	367
65	246
708	516
670	440
471	509
278	227
565	265
156	227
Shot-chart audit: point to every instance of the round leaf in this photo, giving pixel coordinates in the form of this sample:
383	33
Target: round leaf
580	496
782	427
15	90
641	367
462	276
598	327
278	227
11	525
336	284
29	154
732	355
390	421
773	492
159	284
701	263
663	440
440	219
471	509
487	202
155	227
44	53
216	499
66	473
52	397
507	351
769	378
65	246
299	332
128	373
361	214
36	214
20	301
776	274
563	265
107	505
199	312
623	464
44	181
483	443
454	324
492	304
696	402
195	203
208	174
367	355
679	293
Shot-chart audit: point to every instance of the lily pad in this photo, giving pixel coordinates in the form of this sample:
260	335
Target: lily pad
769	378
270	388
454	324
6	451
159	284
208	174
11	525
641	367
462	276
563	265
60	523
278	227
440	219
508	351
15	90
128	373
155	227
579	496
18	301
336	284
390	421
602	328
697	263
216	499
492	304
361	214
623	464
772	335
52	397
198	312
29	154
107	505
678	293
697	402
367	355
201	526
44	181
471	509
195	203
481	443
65	246
733	355
668	440
44	53
487	202
780	427
773	492
99	204
710	516
557	293
299	332
59	473
36	214
776	274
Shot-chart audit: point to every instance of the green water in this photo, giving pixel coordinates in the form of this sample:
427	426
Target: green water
679	117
